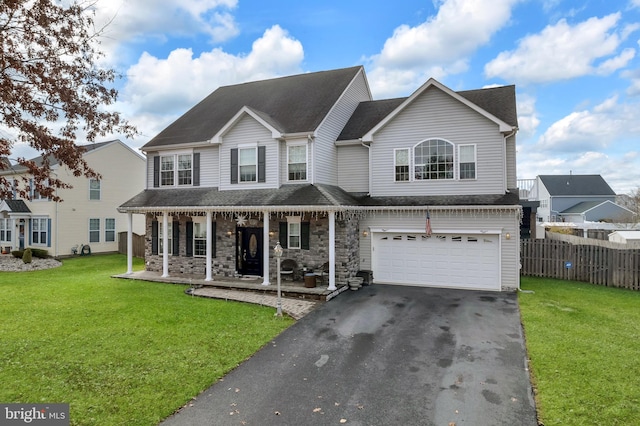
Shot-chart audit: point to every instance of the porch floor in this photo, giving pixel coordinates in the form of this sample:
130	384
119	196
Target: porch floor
288	288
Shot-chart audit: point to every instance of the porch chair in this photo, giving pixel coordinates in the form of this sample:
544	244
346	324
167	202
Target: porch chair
323	274
289	267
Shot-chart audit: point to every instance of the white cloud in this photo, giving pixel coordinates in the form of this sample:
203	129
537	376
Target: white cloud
597	129
140	20
439	46
528	120
160	89
562	52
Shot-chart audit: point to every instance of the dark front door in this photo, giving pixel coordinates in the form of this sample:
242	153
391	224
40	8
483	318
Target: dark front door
249	254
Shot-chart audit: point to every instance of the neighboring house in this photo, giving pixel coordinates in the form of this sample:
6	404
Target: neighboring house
576	198
88	213
625	237
312	162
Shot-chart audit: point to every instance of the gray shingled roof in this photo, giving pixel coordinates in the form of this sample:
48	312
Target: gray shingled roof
295	104
296	195
583	207
498	101
17	206
366	116
286	195
53	161
576	185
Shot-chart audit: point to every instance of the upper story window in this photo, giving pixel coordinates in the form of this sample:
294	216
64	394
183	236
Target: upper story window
248	164
94	189
467	161
297	162
401	164
184	169
433	160
166	170
35	194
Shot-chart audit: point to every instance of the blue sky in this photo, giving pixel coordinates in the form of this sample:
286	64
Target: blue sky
575	64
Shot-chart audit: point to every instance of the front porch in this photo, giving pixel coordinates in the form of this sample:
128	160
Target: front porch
288	288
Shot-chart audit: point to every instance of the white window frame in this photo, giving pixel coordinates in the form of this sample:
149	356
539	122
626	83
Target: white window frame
242	148
428	173
166	181
41	222
294	222
184	180
199	238
396	165
306	161
6	230
94	190
475	161
35	194
93	233
109	231
170	239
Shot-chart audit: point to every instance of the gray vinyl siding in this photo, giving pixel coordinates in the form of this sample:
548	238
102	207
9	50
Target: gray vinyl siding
149	175
435	114
325	165
353	168
508	221
209	166
512	176
247	131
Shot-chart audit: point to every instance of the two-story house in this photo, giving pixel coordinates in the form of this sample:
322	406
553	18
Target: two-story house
418	190
576	199
88	213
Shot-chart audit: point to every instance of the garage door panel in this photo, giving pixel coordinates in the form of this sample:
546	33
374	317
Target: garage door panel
446	260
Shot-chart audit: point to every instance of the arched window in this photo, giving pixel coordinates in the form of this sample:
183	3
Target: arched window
433	159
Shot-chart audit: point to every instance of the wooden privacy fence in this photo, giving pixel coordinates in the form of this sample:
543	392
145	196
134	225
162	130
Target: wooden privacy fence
138	244
590	263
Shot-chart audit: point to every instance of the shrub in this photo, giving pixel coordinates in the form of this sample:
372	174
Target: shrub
35	252
26	257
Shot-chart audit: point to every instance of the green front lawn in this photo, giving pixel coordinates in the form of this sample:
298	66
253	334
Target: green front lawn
119	351
584	344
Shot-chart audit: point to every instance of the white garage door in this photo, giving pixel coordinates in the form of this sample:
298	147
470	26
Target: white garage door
447	260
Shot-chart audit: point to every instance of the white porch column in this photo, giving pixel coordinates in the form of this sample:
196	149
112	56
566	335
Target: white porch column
209	240
129	243
165	245
332	251
265	248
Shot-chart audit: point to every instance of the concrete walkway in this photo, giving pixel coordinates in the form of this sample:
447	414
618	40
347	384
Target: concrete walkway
296	308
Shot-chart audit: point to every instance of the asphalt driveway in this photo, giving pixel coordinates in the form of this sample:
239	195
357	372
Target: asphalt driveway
383	355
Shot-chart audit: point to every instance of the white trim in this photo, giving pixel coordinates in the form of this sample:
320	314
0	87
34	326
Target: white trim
475	161
216	139
306	160
492	231
409	156
504	127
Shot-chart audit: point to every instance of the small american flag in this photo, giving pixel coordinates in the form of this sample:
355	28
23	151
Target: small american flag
428	225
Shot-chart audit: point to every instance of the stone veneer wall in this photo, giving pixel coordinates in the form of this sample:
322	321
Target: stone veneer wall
224	263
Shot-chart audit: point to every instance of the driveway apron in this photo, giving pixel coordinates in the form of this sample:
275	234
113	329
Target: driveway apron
383	355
